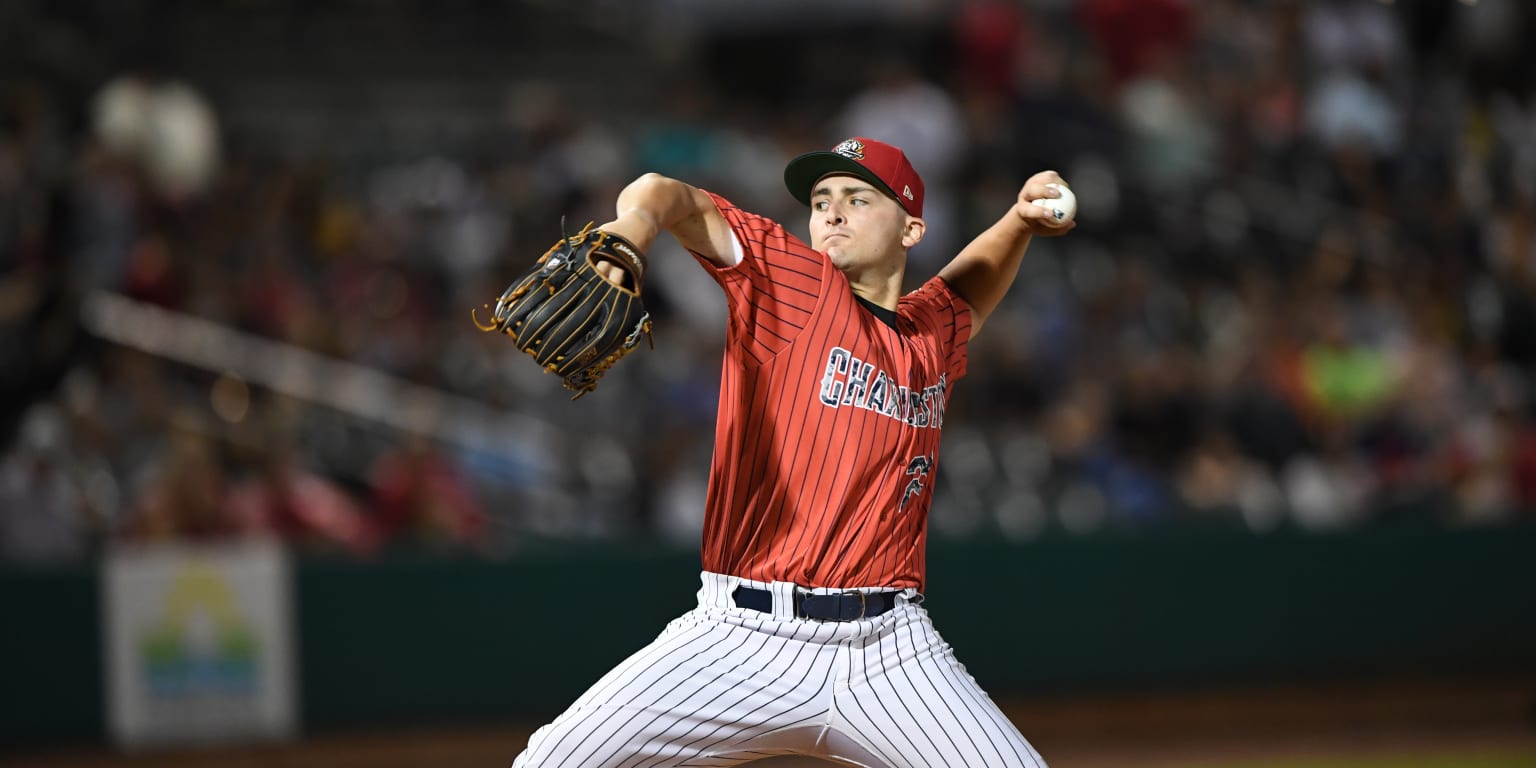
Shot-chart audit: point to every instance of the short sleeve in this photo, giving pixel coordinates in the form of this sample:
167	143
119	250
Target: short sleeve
938	313
775	288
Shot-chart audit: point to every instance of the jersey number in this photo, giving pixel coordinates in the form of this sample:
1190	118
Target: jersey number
917	469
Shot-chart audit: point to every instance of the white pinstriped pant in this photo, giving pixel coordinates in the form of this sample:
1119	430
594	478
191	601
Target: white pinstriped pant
724	685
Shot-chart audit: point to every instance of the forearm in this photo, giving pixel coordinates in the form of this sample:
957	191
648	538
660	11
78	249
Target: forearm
654	203
985	269
650	205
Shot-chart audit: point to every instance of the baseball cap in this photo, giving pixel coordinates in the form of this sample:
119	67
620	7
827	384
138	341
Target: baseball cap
879	163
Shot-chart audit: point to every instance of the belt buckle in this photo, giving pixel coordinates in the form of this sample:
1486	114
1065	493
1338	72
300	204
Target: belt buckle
863	605
801	595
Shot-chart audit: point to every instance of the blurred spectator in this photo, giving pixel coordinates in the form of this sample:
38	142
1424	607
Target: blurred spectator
183	498
1136	37
1352	35
1218	482
1174	138
419	496
991	40
277	494
1350	110
54	501
164	125
1344	380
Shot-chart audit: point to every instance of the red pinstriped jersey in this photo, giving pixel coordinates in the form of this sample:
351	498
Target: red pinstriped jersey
827	438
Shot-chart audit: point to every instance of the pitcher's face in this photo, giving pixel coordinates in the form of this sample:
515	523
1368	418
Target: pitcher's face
857	225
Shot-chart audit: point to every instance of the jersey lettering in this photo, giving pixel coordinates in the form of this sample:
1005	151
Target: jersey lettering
843	384
858	385
831	386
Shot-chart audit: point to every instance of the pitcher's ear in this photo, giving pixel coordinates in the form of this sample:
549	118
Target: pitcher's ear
913	233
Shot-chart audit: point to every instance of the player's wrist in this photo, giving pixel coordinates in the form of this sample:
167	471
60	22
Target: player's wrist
643	215
636	227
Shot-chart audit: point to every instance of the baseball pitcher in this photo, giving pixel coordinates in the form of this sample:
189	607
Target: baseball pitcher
810	636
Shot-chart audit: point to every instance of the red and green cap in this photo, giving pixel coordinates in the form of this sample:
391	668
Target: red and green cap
879	163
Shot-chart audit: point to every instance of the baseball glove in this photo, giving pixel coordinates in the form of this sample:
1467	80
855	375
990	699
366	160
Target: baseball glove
574	322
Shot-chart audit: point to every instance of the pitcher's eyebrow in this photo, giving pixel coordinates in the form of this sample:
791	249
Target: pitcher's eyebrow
826	189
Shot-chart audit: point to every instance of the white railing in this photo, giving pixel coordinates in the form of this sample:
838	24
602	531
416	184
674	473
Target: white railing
356	390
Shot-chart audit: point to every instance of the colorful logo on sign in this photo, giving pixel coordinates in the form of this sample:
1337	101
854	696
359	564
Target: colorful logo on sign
201	644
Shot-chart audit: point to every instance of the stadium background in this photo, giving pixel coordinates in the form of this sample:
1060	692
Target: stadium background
1249	456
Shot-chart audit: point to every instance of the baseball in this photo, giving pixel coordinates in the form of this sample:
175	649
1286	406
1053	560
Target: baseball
1065	206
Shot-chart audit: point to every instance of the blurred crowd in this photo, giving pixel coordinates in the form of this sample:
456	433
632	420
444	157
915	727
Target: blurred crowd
1302	292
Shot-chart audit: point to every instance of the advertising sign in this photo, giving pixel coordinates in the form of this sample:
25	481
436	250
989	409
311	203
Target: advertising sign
199	643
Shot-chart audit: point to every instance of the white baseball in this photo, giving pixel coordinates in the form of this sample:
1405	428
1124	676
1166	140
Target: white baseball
1065	207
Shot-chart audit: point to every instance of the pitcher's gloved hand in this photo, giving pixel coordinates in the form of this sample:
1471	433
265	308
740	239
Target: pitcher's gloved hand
572	320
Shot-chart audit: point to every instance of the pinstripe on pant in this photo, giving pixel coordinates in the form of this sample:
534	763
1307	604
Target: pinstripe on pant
724	685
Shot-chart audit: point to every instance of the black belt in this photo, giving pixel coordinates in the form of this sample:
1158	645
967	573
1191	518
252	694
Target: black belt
839	606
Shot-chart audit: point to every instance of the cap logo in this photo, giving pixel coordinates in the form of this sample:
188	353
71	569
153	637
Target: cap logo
852	149
906	191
